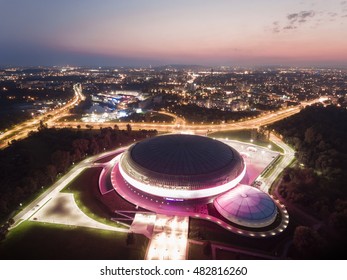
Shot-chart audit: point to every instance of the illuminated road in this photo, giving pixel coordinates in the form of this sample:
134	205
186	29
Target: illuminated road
180	124
21	130
178	120
287	157
52	118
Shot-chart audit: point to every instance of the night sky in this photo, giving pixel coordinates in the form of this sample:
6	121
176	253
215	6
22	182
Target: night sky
157	32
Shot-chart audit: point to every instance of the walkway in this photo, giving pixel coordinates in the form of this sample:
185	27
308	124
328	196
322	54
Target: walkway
62	209
55	189
170	238
287	157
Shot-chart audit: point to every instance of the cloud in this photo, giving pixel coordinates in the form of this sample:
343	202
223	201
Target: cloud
292	16
289	27
275	27
300	16
305	14
310	18
296	19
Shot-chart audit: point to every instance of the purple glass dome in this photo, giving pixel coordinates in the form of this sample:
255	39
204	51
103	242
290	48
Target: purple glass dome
247	206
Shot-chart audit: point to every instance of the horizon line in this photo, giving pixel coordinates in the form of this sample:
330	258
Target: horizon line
173	65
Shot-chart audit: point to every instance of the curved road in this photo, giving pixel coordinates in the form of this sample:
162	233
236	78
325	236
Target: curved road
21	130
180	124
287	157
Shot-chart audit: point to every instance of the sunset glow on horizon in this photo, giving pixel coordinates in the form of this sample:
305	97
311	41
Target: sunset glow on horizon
246	33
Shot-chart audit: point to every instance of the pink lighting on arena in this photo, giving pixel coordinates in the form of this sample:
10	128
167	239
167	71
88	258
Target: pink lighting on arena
180	192
176	175
247	206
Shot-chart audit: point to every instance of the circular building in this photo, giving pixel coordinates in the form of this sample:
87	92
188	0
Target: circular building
247	206
179	166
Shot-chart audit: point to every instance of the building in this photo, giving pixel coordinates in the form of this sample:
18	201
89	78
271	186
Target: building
177	173
247	206
180	166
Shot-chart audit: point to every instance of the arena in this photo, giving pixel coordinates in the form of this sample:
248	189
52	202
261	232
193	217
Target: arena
196	176
182	166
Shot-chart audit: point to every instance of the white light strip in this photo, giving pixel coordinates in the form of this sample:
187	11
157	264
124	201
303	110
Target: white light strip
178	193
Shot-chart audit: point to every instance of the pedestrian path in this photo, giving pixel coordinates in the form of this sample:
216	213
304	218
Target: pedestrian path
170	238
62	209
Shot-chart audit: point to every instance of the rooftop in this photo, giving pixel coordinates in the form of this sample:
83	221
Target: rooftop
179	154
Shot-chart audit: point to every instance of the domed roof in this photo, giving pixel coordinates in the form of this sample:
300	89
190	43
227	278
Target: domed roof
179	154
182	161
247	206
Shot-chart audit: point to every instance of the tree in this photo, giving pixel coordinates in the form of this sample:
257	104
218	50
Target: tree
81	144
29	183
42	126
51	172
338	220
11	221
207	248
130	238
129	128
61	160
94	147
3	233
307	242
3	206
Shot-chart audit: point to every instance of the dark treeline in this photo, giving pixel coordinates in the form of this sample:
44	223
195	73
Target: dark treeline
29	165
147	117
318	182
38	94
194	113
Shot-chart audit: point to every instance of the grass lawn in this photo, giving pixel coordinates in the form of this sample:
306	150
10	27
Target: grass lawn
85	188
230	255
71	118
244	135
196	252
33	240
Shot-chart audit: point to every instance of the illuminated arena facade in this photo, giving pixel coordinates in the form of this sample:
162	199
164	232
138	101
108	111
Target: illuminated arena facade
182	167
176	174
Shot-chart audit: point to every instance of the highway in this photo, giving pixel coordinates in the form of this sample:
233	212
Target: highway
178	120
21	130
52	118
180	125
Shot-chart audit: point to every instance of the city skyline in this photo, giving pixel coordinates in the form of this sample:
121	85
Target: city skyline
143	33
144	159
